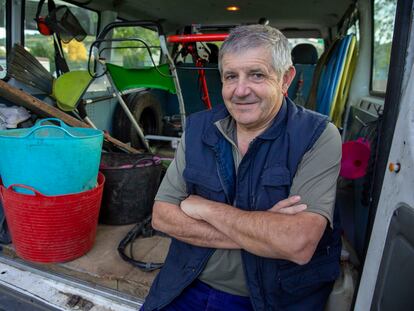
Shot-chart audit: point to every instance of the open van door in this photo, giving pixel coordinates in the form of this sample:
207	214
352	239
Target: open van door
388	273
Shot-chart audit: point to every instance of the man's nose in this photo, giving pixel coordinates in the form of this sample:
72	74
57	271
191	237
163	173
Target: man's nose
242	88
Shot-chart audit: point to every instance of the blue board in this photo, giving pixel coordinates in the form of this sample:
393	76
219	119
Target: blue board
331	75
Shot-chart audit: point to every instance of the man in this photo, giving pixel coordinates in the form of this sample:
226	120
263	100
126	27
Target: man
248	200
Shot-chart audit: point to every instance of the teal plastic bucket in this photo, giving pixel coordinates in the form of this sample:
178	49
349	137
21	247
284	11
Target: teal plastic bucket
52	159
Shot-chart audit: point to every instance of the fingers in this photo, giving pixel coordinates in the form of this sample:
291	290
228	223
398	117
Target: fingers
293	200
292	210
289	206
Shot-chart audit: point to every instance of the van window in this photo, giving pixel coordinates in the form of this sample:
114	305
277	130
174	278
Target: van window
133	54
3	38
75	52
384	15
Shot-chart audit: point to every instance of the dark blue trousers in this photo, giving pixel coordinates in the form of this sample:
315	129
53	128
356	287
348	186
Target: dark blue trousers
201	297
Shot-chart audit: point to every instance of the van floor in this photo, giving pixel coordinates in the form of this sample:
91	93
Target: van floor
102	265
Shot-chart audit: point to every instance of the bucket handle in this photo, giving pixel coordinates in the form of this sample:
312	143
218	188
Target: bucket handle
36	193
144	159
61	123
36	128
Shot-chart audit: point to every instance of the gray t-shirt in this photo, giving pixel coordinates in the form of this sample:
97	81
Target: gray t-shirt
314	181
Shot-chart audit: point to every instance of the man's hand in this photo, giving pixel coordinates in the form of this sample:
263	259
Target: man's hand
170	219
192	206
288	206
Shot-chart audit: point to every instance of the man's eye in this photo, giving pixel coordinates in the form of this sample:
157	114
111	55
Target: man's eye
258	76
229	77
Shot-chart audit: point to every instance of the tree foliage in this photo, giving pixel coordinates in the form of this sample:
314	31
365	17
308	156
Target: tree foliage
127	53
132	53
384	18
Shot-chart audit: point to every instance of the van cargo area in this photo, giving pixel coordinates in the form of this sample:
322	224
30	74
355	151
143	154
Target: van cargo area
103	266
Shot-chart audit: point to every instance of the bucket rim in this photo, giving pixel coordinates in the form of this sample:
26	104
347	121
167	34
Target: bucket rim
9	189
26	133
39	125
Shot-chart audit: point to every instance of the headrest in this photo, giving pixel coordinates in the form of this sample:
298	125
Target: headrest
304	53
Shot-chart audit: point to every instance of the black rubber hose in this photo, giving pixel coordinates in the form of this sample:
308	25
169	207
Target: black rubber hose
129	239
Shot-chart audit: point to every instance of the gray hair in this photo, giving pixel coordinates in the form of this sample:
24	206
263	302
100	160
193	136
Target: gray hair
248	37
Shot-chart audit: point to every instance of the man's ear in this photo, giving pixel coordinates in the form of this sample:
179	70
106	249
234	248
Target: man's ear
288	76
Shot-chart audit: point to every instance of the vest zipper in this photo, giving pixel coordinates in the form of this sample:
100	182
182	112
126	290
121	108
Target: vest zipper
220	177
222	185
252	190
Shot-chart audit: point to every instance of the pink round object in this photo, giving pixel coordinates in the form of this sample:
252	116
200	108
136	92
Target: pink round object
355	158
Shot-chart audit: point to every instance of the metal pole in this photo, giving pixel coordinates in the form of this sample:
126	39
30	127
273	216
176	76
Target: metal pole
128	113
173	69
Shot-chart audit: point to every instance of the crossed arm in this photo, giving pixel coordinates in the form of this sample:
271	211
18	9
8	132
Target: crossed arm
285	231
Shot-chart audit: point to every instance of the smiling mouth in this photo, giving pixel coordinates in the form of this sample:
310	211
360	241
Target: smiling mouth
244	104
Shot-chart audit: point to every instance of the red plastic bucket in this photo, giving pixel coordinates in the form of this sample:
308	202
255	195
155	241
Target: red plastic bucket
50	229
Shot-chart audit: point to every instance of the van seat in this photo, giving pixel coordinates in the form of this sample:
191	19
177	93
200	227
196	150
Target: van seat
304	58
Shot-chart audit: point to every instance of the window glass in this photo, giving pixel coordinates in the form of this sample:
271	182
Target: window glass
384	15
77	53
41	46
318	43
134	54
3	38
207	51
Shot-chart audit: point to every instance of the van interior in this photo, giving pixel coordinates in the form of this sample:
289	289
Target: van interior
344	56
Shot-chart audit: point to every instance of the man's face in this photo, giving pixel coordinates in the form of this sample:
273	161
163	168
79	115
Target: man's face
252	91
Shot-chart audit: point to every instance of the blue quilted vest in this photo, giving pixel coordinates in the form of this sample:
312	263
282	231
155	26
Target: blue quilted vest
264	177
